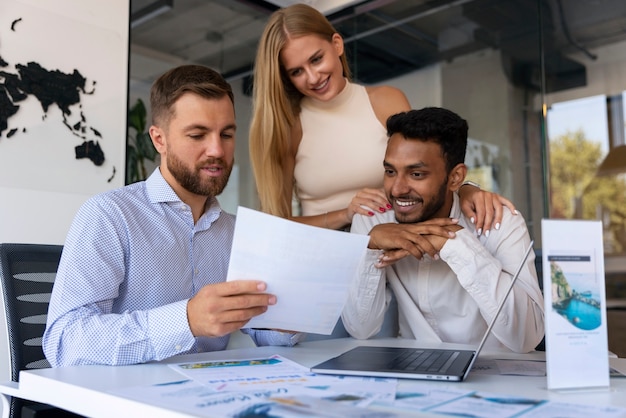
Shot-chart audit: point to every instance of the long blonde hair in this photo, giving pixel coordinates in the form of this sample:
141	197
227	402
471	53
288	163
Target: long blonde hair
276	102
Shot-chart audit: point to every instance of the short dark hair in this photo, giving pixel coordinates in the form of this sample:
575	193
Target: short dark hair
435	124
170	86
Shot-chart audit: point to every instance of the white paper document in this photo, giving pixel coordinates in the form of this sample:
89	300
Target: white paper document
309	269
289	401
278	373
265	387
277	387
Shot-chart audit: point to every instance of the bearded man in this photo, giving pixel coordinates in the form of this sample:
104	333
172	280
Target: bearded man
143	270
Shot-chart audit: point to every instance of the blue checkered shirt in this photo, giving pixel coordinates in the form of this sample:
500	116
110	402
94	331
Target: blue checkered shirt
132	259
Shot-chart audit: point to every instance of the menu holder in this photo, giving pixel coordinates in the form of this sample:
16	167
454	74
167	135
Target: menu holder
577	355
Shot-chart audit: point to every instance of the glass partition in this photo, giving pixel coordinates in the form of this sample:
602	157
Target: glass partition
541	83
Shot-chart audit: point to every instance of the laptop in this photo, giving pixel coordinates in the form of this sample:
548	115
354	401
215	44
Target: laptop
412	363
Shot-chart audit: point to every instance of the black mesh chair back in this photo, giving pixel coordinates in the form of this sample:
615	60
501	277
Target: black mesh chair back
28	272
27	275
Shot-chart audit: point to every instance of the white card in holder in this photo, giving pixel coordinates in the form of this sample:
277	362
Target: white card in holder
575	304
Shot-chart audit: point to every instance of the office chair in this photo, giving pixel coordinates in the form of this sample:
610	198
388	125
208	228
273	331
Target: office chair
27	274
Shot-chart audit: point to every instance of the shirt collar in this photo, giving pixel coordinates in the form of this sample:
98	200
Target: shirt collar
456	206
159	191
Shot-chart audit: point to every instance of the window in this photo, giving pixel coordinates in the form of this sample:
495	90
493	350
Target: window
580	140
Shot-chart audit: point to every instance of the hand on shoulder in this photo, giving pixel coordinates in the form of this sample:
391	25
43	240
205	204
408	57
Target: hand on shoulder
485	209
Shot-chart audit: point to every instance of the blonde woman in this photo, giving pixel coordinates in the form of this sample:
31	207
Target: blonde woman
316	133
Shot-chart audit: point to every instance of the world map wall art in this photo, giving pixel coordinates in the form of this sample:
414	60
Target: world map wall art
63	100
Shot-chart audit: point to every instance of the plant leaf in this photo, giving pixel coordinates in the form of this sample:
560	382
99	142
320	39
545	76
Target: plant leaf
145	148
137	116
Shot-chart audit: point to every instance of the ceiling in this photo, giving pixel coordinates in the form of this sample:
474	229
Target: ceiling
388	38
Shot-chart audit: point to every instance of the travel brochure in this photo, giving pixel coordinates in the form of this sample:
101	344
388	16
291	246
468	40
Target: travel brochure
575	304
280	388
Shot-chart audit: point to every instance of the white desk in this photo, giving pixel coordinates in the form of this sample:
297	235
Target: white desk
84	389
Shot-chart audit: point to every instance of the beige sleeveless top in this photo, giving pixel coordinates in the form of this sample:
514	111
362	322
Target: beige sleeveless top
341	151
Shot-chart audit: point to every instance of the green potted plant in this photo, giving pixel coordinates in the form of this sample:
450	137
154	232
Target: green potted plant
139	146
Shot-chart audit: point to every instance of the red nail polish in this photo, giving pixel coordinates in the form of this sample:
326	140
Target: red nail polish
389	206
382	210
370	213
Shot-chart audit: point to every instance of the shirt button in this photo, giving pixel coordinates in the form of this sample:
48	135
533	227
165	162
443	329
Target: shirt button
178	347
196	271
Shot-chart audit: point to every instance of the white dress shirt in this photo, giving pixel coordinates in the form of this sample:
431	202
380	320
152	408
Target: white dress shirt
452	299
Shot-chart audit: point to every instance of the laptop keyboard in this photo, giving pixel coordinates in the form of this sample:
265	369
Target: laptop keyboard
423	361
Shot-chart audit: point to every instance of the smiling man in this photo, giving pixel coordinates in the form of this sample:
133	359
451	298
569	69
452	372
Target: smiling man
143	270
447	281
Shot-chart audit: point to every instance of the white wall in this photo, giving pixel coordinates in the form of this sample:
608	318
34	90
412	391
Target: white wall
41	183
422	88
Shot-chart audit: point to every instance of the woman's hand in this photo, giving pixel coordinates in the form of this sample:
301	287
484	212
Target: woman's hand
367	202
483	208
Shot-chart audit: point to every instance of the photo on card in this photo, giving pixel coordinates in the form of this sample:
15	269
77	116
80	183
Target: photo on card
575	289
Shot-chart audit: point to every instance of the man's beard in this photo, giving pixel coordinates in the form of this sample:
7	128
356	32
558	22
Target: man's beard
430	209
193	182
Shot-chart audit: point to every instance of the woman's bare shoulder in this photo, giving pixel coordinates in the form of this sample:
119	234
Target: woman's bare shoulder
387	100
384	91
